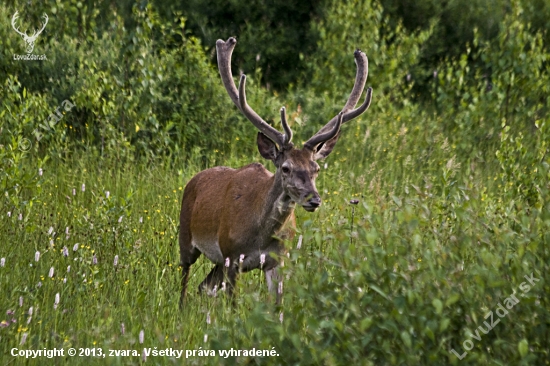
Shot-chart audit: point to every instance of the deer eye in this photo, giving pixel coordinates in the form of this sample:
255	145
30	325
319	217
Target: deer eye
285	169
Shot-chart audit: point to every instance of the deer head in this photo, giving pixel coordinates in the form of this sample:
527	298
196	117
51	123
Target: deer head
296	168
29	40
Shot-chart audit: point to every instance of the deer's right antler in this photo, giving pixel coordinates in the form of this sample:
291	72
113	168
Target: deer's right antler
224	51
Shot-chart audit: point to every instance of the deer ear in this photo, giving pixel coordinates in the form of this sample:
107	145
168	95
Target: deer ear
324	149
268	149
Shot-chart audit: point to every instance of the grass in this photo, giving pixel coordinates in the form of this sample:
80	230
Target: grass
437	243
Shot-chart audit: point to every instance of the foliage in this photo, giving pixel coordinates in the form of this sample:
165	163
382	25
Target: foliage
508	88
152	97
453	190
274	37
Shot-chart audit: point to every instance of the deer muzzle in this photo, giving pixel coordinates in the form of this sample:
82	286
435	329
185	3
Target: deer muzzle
312	203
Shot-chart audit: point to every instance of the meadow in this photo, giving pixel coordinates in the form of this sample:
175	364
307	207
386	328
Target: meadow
443	260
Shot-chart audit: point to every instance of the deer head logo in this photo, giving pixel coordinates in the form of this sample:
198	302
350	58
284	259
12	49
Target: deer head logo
29	40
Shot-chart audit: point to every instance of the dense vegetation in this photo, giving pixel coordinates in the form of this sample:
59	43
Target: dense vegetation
450	166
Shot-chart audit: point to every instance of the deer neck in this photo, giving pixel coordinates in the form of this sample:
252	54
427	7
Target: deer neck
278	206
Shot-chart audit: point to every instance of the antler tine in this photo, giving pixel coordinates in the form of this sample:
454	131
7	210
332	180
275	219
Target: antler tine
362	63
322	137
288	131
256	120
362	109
224	51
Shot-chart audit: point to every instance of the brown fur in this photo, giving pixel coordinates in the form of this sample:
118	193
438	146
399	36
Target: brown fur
243	211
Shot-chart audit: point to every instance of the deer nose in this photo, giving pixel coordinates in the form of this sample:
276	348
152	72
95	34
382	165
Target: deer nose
314	201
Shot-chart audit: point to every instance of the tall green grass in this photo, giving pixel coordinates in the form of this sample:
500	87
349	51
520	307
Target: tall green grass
435	245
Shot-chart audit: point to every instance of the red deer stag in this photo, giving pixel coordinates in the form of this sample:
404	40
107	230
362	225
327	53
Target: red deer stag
236	217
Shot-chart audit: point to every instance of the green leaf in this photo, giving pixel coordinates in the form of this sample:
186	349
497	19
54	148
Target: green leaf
406	337
438	305
365	324
452	299
429	333
444	324
523	347
377	289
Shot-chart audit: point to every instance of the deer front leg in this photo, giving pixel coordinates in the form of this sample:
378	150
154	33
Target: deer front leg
275	283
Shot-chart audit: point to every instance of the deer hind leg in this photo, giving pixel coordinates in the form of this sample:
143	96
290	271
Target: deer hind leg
188	258
188	253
